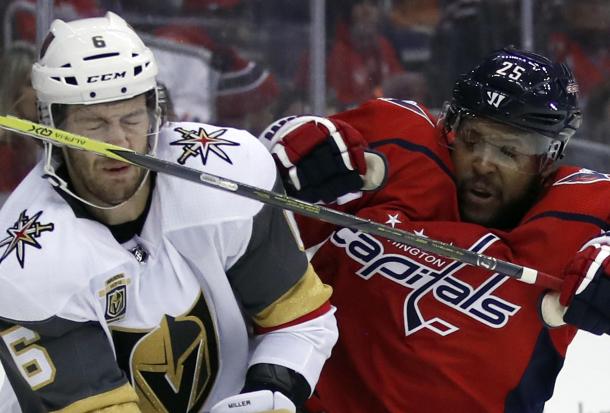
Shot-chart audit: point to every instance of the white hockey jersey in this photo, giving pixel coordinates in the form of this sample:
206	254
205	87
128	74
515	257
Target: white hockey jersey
169	309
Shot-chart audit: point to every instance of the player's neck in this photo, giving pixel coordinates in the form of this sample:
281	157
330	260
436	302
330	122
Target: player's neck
129	211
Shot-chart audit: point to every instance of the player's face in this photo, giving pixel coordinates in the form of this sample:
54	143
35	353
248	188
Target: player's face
497	170
125	123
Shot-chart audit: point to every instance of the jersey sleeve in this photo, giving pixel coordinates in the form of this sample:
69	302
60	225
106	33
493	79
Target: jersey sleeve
420	183
272	264
58	364
284	297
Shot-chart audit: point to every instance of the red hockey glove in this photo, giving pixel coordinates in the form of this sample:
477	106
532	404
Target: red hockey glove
586	287
323	159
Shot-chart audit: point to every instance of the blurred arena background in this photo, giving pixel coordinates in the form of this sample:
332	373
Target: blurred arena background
244	63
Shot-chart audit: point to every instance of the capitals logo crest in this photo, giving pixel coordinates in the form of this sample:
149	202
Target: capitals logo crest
24	232
201	143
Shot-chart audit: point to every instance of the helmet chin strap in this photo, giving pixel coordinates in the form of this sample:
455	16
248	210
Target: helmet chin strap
58	182
55	180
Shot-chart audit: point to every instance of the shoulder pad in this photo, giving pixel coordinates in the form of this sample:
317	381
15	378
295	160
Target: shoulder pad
46	253
226	152
413	107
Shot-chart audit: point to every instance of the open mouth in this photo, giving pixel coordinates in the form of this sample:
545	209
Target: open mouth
481	193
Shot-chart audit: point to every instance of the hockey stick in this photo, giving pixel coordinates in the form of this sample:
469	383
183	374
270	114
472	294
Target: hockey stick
63	138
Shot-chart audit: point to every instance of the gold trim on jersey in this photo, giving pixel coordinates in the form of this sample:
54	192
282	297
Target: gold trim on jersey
120	400
304	297
114	282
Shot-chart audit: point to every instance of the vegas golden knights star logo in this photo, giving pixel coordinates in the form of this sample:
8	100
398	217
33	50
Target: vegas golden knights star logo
173	366
25	231
202	143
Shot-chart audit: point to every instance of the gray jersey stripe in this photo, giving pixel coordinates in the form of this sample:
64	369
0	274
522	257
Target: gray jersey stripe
272	263
77	374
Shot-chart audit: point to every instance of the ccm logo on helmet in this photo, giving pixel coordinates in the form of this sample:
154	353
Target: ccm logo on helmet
105	77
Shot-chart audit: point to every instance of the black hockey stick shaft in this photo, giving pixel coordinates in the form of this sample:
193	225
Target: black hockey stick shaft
344	220
63	138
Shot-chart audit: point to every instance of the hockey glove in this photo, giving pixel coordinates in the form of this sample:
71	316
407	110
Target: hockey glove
322	159
586	287
262	401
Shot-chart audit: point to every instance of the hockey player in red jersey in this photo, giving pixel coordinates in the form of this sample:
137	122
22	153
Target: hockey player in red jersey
419	332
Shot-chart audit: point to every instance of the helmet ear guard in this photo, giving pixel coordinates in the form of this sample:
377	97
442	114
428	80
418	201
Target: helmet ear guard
450	117
448	122
569	131
163	102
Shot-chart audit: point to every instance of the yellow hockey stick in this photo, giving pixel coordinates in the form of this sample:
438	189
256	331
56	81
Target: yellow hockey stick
63	138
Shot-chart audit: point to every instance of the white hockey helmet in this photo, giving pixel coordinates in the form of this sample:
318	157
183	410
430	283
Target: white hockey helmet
91	61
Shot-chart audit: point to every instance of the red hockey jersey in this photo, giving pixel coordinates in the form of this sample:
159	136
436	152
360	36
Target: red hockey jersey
422	333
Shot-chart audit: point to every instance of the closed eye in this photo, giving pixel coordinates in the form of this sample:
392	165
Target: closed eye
509	152
92	126
135	119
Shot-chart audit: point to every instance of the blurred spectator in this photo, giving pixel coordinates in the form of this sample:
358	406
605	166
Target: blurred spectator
170	7
361	58
283	35
18	154
596	121
25	23
410	26
584	42
245	92
409	86
149	7
208	5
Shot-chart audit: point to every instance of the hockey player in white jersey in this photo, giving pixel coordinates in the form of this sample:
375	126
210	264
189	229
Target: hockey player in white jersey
132	291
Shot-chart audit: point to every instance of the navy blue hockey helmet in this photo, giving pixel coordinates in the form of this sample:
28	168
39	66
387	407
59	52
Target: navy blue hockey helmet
521	89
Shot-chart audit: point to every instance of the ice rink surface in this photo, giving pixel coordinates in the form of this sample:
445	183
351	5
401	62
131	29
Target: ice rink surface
583	386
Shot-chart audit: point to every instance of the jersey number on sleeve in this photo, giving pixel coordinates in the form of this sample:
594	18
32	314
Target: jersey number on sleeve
32	360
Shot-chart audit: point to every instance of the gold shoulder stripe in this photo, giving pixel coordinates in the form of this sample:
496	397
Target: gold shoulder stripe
304	297
119	400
